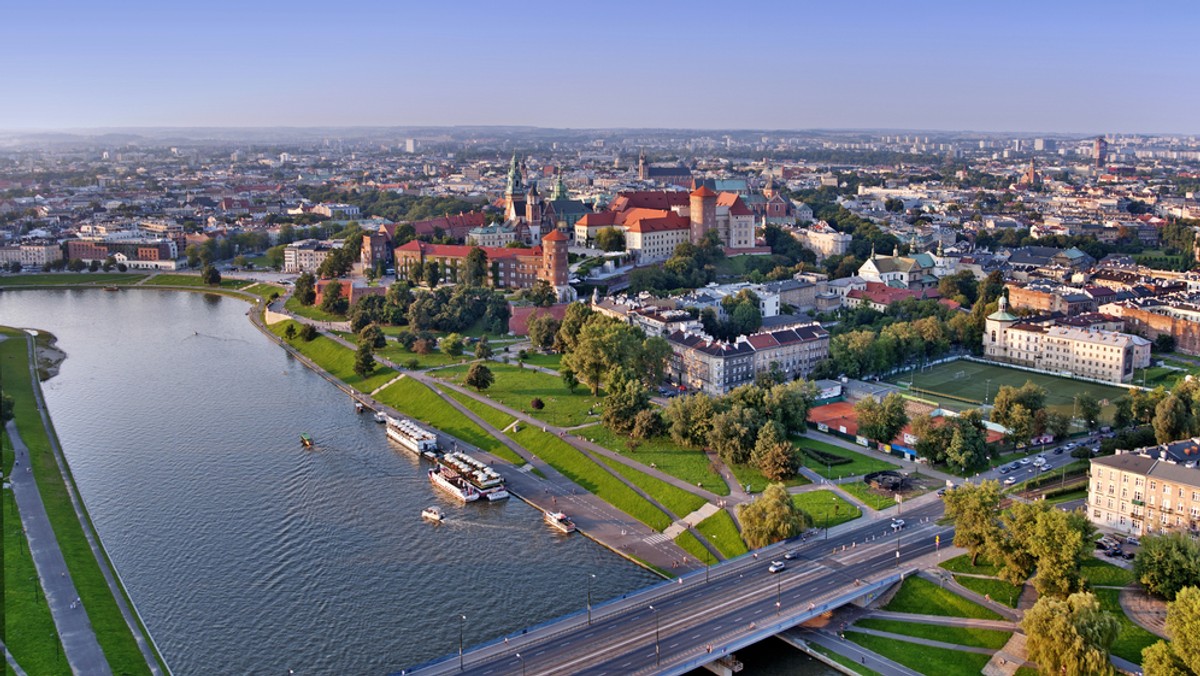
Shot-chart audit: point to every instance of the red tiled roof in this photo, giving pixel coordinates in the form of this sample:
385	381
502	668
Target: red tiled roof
657	223
461	250
518	321
649	199
555	235
703	191
734	201
600	218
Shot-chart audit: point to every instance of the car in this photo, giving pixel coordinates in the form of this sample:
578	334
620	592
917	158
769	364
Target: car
1010	481
790	555
776	566
1131	541
1059	450
897	524
1024	461
1039	461
1005	470
1128	556
1100	544
1047	468
941	492
1014	467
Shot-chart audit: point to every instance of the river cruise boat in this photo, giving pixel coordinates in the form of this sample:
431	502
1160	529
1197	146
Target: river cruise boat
412	436
486	480
433	514
306	440
453	484
560	521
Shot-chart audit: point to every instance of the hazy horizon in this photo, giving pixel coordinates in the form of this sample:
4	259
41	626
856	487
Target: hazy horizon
1021	67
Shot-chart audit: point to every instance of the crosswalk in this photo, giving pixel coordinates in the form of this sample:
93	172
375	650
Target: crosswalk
657	538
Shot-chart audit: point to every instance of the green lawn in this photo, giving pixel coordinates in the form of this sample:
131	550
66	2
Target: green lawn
1104	574
999	590
1132	638
494	417
590	476
925	659
515	387
826	508
691	465
117	642
722	533
264	290
72	279
678	501
335	358
690	544
193	280
965	383
749	475
550	361
860	463
395	353
863	492
855	667
313	312
962	564
29	631
1068	496
920	596
418	401
992	639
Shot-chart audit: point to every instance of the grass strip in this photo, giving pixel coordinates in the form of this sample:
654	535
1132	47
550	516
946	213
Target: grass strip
692	545
722	533
922	597
853	666
494	417
72	279
993	639
1105	574
193	280
114	636
998	590
414	399
748	475
678	501
962	564
857	463
828	509
689	464
335	358
313	312
516	388
1132	638
590	476
863	492
923	658
29	631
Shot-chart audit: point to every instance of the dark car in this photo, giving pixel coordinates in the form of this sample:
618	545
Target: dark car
1005	470
1058	451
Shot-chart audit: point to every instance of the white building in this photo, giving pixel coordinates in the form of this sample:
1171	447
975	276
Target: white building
822	239
306	255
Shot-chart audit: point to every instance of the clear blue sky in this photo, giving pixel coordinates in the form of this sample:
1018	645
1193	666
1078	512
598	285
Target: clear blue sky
1005	66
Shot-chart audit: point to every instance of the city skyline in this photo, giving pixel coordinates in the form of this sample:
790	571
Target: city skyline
1021	68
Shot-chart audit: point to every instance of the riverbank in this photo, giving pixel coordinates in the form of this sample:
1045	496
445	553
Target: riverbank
118	630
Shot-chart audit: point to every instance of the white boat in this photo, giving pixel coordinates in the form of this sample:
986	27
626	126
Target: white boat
453	484
560	521
486	480
380	417
411	436
358	407
433	514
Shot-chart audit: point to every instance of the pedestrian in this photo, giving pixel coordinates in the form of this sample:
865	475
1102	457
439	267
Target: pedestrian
863	659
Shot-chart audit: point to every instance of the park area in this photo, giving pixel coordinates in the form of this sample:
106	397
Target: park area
965	384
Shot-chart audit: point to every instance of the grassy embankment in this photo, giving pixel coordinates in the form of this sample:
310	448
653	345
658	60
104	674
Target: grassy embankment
814	452
516	387
689	464
414	399
826	508
920	596
863	492
1132	638
114	636
335	358
194	281
72	279
313	312
722	533
993	639
691	544
922	658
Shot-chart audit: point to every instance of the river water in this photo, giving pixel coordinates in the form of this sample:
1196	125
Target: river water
246	553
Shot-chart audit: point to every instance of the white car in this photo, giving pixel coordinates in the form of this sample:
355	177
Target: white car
1024	461
897	524
1039	461
1010	481
777	566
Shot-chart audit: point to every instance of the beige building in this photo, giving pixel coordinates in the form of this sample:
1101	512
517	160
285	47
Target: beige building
32	253
716	367
822	239
305	255
1087	353
1149	490
496	235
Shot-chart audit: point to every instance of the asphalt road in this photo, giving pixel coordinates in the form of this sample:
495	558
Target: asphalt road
1028	471
666	622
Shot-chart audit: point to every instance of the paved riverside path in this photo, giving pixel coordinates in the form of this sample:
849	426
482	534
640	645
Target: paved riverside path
869	659
80	646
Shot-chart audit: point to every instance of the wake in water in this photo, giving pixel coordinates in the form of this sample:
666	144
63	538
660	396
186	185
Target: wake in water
197	334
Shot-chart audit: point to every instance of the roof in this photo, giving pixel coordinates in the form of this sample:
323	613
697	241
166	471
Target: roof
461	250
649	199
555	235
703	191
657	221
732	200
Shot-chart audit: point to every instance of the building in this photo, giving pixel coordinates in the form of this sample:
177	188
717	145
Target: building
352	290
511	268
1067	350
127	248
337	211
1148	490
306	255
716	367
494	235
822	239
1100	152
31	253
1153	317
674	174
915	272
702	209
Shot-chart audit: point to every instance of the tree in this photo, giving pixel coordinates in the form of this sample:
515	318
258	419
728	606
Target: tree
290	331
479	376
541	294
689	419
305	289
372	335
626	398
1070	636
652	359
210	276
733	434
972	508
1167	563
543	329
773	454
572	323
1089	409
475	272
568	378
452	344
647	424
433	273
610	239
772	517
422	346
1171	419
308	333
332	300
483	350
789	404
881	421
1123	416
364	360
1182	654
1164	342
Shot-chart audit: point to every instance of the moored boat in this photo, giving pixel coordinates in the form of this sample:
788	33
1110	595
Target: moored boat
486	480
380	417
412	436
358	407
560	521
453	484
433	514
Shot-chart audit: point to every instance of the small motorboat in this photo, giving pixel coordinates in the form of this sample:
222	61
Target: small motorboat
358	407
433	514
306	440
560	521
380	417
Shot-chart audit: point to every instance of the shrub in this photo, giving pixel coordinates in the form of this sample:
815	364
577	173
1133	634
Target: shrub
537	404
826	458
412	364
308	332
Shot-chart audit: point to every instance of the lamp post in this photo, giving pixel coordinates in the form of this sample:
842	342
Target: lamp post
462	622
522	663
778	595
656	648
987	391
590	577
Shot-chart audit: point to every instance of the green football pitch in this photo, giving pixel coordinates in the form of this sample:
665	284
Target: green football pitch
965	384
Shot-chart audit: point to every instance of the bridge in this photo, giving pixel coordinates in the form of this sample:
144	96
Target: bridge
706	615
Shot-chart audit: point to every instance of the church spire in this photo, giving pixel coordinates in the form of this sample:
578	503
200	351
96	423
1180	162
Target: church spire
560	188
515	181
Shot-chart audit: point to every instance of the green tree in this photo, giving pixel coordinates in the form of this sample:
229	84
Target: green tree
211	276
773	454
1123	416
1167	563
973	508
572	323
647	424
733	434
452	344
364	360
610	239
568	378
543	328
1182	654
789	404
626	398
483	350
772	517
1089	409
541	294
881	421
652	360
305	290
475	273
433	273
1070	636
372	335
1171	419
308	333
479	376
689	419
1161	659
290	331
331	298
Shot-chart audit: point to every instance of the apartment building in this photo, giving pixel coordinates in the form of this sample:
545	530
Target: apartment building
716	367
1148	490
306	255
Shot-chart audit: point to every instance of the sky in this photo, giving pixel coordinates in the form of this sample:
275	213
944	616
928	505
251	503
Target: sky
1020	66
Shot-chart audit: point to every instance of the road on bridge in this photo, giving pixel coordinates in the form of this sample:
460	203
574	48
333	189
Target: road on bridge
661	629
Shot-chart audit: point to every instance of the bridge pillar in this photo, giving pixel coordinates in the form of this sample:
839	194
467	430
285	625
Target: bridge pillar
726	666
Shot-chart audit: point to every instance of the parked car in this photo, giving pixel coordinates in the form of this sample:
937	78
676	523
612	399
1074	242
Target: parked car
1010	481
776	566
1131	541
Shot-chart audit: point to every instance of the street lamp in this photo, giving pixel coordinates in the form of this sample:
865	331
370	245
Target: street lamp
590	577
656	649
462	622
522	663
778	595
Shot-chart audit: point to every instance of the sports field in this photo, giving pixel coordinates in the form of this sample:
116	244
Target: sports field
964	384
